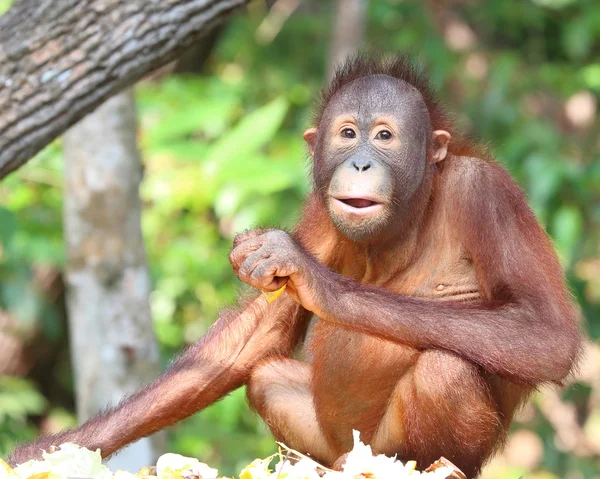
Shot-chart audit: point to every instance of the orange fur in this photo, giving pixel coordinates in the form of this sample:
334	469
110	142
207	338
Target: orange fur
426	344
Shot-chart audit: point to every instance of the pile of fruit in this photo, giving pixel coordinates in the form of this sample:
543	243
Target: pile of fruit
72	461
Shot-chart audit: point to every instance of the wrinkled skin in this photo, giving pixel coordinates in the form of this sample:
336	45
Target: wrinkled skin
268	259
389	171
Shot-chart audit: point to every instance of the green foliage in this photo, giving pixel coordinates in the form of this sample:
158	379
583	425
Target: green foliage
4	5
207	179
8	225
19	399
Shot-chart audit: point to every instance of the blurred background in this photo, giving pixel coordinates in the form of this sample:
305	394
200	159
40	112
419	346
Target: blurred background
220	138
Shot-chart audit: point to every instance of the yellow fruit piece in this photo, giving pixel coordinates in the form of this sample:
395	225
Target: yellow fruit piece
273	295
46	475
145	472
257	469
6	471
410	466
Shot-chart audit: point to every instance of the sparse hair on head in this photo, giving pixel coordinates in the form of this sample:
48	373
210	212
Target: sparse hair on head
400	67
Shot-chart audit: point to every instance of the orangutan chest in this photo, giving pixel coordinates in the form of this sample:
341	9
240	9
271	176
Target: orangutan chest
340	355
442	274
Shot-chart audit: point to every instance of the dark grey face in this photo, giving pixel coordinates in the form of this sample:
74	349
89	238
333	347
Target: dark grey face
371	154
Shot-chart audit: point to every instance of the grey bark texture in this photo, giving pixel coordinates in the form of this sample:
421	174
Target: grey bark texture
113	346
348	32
60	59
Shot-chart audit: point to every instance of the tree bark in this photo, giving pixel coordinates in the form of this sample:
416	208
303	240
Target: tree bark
348	32
113	347
60	59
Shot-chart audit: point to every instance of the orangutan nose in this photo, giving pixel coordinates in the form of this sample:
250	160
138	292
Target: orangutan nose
361	164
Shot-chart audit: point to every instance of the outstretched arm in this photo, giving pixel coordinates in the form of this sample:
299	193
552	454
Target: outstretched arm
217	364
525	327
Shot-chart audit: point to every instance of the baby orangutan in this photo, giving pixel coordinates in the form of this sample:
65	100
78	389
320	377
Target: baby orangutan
440	301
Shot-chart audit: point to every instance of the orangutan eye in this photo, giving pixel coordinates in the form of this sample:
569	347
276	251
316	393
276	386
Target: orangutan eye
348	133
384	135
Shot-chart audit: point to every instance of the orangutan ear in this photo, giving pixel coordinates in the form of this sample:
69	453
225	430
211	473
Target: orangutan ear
310	136
441	138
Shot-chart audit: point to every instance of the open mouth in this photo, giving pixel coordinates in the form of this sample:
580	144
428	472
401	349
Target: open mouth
357	206
358	202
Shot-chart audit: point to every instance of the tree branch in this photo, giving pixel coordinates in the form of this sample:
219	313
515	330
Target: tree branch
60	59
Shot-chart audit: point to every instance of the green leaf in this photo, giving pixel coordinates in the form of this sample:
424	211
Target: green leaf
252	133
554	4
4	5
567	228
207	115
578	38
591	76
544	181
8	225
19	398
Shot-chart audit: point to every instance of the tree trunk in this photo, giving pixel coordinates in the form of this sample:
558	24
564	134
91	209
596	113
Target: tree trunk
114	350
348	32
60	59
